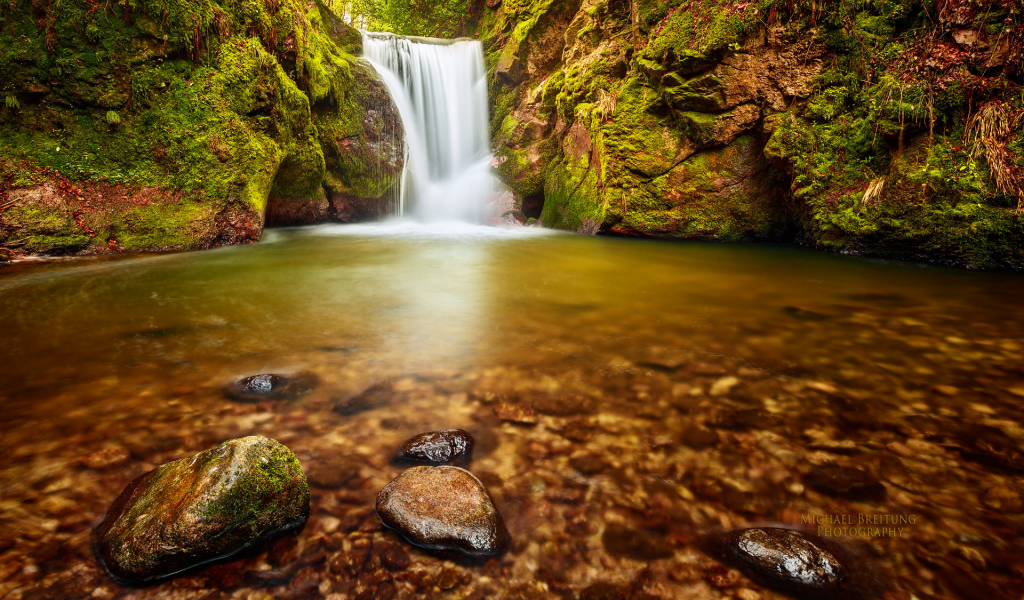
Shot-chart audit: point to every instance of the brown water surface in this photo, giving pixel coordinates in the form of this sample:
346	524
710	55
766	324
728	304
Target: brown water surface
679	390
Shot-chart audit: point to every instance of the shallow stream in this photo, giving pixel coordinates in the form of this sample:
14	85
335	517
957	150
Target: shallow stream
679	390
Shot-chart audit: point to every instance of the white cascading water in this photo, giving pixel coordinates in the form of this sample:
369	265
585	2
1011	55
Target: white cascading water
440	89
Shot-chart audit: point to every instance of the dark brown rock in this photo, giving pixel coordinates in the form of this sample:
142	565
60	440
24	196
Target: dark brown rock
201	508
269	386
443	508
845	482
788	561
375	396
438	447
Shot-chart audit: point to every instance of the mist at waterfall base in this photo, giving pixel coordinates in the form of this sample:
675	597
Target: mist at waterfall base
440	89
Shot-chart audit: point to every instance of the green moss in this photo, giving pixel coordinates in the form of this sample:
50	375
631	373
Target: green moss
212	99
702	26
179	225
572	202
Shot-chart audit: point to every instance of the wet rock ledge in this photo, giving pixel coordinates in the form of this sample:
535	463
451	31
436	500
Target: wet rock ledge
201	508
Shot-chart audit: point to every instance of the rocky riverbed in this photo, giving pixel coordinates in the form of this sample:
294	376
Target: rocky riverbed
615	442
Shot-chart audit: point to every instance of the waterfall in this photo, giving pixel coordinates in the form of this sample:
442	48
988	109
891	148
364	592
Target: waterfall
440	89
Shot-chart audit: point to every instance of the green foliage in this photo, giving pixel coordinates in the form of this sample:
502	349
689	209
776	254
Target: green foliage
12	102
112	118
438	18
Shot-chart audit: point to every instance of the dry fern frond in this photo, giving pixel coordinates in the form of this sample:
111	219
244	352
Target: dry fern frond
874	191
988	131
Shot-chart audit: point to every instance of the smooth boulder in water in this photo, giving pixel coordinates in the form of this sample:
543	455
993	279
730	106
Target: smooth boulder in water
268	386
438	447
443	508
201	508
795	563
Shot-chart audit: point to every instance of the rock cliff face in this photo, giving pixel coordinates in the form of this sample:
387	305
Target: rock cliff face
873	128
184	125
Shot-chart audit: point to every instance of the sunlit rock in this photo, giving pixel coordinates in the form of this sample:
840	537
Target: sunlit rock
443	508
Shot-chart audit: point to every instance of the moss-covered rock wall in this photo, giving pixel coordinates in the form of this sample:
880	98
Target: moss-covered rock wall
888	128
140	126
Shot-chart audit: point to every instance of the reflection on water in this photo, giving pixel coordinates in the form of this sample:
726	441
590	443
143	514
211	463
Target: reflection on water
678	390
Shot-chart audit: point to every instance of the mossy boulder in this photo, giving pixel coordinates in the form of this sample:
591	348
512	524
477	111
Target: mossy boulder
197	509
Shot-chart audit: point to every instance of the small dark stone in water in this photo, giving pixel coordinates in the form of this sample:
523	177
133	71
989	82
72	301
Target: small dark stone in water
698	438
438	447
269	386
620	540
187	512
788	561
564	406
845	482
443	508
375	396
589	464
806	314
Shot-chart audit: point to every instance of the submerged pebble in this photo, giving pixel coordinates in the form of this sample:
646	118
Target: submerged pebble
443	508
200	508
438	447
269	386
